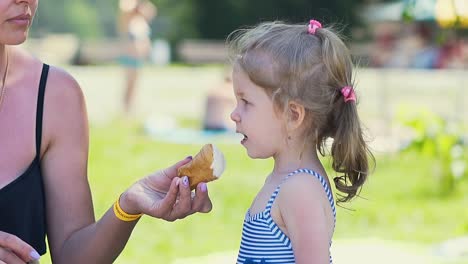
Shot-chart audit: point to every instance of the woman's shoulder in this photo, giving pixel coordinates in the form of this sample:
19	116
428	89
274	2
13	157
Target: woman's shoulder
62	80
64	101
64	107
58	79
63	90
60	84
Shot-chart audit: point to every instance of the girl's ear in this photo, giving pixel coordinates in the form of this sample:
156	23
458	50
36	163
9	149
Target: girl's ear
296	114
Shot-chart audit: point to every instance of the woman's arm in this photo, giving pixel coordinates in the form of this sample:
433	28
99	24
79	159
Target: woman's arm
73	234
302	211
64	161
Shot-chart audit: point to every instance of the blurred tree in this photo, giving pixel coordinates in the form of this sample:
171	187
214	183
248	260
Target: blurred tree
107	16
215	19
175	19
86	18
82	18
50	17
178	19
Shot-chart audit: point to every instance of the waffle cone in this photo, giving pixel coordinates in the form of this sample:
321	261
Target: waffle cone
200	168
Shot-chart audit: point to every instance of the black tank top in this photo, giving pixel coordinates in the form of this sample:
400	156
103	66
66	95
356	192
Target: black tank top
22	202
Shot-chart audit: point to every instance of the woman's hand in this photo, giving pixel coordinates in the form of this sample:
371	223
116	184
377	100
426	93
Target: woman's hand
166	196
15	251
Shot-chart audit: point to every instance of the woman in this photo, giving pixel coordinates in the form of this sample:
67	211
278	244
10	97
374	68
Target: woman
43	164
135	32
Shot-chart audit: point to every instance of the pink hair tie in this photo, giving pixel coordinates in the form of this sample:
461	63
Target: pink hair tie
348	94
313	26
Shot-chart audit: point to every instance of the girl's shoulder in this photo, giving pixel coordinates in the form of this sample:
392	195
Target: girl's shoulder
305	191
301	194
303	183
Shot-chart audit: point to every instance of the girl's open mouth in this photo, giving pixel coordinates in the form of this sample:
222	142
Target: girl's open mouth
244	139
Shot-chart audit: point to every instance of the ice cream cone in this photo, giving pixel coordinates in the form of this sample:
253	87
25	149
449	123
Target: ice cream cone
206	166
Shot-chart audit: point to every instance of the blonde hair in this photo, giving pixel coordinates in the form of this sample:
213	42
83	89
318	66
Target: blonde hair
292	64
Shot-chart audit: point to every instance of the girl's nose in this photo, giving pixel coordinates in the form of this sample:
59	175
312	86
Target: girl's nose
235	116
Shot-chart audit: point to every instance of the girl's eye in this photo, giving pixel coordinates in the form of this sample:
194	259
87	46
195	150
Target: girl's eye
244	101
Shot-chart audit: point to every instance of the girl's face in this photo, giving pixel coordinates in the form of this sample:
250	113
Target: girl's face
15	19
255	118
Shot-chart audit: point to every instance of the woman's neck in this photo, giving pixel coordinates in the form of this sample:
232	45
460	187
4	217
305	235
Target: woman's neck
3	50
3	66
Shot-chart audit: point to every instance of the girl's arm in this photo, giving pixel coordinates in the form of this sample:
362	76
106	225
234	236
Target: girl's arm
302	211
73	234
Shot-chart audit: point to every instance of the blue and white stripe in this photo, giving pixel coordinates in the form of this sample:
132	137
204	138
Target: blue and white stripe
263	241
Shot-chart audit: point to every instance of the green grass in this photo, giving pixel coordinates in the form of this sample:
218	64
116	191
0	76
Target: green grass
399	202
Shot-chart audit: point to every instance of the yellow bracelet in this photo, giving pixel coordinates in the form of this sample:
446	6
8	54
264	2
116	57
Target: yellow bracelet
122	215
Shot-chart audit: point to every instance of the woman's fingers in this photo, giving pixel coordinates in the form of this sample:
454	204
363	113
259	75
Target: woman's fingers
183	207
171	171
11	244
201	202
179	202
161	179
166	205
7	256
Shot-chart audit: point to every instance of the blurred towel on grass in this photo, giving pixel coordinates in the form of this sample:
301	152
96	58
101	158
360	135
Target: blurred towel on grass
166	129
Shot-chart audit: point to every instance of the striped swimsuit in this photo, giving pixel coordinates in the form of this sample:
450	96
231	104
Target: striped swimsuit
263	241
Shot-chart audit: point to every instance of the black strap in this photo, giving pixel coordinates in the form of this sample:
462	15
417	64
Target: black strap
40	108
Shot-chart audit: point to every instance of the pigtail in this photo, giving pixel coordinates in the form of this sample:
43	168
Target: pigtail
349	151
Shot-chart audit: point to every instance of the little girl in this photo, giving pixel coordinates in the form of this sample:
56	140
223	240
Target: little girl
294	90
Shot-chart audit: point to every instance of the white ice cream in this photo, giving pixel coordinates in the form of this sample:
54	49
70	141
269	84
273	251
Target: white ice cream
219	163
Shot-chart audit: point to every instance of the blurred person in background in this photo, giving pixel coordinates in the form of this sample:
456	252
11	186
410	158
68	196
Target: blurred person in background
44	187
384	46
452	53
219	101
135	32
426	52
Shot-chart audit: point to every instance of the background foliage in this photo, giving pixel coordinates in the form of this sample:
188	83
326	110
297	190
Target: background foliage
211	19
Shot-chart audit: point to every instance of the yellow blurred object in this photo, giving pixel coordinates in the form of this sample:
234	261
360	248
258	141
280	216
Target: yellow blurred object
447	11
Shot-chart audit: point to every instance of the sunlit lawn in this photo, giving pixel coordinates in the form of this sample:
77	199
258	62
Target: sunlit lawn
400	201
